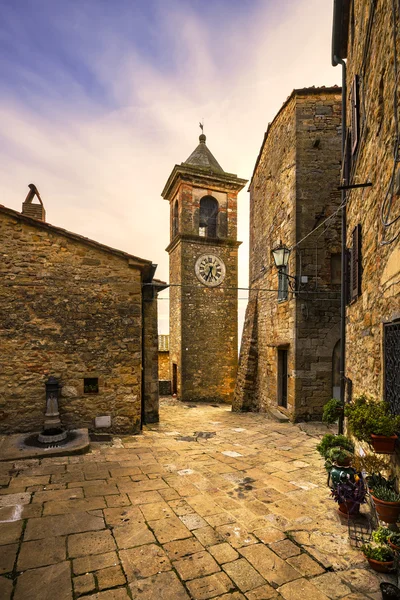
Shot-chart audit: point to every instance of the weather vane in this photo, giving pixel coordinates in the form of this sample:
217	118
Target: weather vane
201	125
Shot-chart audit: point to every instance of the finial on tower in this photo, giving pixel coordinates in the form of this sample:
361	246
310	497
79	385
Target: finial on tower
202	137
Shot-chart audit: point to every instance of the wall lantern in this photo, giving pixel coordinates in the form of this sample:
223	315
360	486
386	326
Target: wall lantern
281	256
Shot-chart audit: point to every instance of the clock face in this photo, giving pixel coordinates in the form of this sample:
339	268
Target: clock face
210	269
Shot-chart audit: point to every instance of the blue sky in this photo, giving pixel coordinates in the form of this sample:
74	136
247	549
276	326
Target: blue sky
100	98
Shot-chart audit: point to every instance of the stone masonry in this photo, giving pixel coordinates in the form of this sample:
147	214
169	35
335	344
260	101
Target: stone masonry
369	46
293	189
203	320
73	309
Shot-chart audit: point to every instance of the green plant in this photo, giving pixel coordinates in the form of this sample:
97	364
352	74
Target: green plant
380	552
332	411
378	480
339	455
395	538
381	535
330	441
367	416
349	491
385	494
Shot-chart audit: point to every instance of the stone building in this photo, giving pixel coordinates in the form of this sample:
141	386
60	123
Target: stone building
368	35
82	312
164	377
289	351
203	255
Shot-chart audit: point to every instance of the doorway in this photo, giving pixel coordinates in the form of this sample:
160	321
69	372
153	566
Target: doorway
282	377
174	378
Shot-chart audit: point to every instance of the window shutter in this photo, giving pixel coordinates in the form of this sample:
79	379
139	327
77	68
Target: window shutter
355	114
355	269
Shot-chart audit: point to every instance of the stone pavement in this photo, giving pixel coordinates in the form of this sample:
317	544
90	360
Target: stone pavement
207	504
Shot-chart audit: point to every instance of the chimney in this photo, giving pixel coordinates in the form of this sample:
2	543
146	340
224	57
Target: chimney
36	211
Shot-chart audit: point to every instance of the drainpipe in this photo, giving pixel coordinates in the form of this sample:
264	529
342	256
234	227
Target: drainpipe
344	251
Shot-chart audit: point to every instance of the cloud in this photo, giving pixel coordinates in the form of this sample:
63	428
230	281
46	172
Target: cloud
100	103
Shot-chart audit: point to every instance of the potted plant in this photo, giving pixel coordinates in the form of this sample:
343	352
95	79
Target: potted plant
338	465
389	591
349	494
371	421
333	409
387	503
394	541
378	480
381	535
330	440
379	556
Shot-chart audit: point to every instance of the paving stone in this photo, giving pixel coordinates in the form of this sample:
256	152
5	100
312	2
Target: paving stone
8	555
88	564
116	594
275	570
15	499
62	525
57	495
92	542
220	519
132	534
269	535
232	596
65	507
110	577
285	549
10	532
6	588
181	548
163	585
146	497
144	561
117	500
301	589
210	586
243	575
181	507
156	511
203	505
208	536
331	585
169	494
362	580
196	565
236	535
168	530
104	489
52	582
83	584
40	553
305	565
122	515
193	521
223	553
265	592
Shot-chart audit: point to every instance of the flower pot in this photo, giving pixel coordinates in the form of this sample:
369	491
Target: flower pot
349	509
338	473
381	567
383	444
393	546
387	511
389	591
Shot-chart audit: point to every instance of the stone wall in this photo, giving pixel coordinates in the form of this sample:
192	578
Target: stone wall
163	366
72	311
291	192
150	356
373	161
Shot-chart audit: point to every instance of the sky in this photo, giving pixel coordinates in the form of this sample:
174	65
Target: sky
99	100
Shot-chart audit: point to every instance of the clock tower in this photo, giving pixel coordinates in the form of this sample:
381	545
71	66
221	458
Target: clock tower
203	268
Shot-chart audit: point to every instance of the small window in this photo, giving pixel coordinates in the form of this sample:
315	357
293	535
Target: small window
91	385
336	269
282	284
175	219
355	114
282	377
355	264
208	217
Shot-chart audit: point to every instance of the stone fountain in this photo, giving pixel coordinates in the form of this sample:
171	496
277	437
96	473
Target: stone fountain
52	427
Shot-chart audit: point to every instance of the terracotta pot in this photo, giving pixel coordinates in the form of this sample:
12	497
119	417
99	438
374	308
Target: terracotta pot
349	509
387	511
389	591
382	444
381	567
393	546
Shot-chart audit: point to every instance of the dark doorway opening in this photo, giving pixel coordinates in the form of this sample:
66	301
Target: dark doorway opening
174	378
282	377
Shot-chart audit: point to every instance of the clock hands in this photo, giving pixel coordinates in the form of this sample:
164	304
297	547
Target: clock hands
209	273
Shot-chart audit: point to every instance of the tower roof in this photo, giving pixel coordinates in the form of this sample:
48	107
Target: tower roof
202	157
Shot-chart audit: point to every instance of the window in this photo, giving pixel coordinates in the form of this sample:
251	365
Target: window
282	377
391	347
282	284
208	217
175	219
91	385
355	264
336	268
355	114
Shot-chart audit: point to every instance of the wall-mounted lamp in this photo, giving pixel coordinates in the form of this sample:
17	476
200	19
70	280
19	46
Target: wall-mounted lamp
281	258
